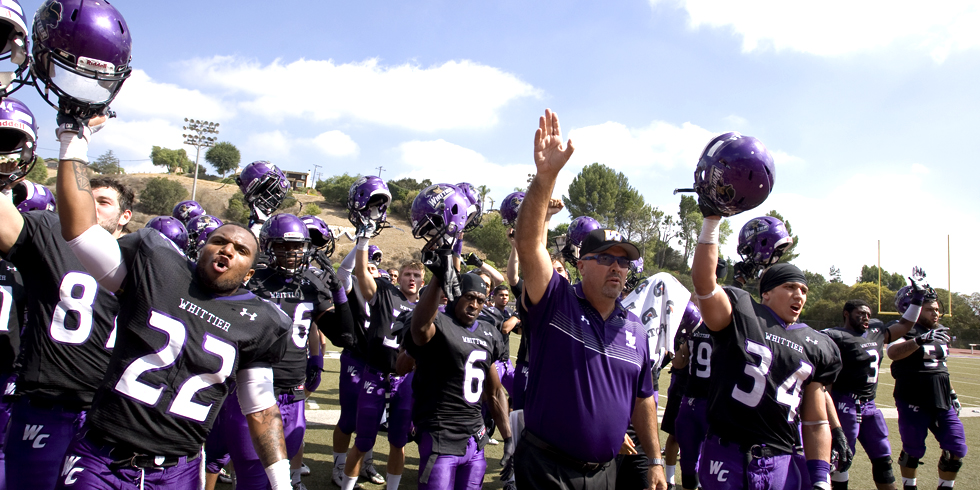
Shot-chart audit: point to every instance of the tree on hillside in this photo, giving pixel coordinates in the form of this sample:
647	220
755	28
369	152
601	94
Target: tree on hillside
161	194
107	164
38	174
403	192
224	157
336	189
594	192
491	238
171	159
789	254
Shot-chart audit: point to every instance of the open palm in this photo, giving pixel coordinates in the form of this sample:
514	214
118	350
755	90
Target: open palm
550	155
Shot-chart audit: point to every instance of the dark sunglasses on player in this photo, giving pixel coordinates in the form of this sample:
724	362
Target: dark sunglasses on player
606	260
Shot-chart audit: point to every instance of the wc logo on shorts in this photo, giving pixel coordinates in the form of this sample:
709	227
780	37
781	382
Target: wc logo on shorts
715	469
69	470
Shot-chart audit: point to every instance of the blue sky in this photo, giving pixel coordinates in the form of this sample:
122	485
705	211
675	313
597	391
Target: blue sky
870	107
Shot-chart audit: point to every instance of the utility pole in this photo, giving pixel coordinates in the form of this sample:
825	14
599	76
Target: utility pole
380	169
315	167
198	139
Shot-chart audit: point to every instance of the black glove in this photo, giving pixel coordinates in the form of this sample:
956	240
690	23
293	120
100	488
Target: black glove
708	209
920	288
935	335
314	366
473	260
507	461
440	262
955	402
840	453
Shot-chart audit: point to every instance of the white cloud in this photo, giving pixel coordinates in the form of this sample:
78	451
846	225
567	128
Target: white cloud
336	144
141	96
660	145
783	160
133	140
918	168
455	94
452	163
841	27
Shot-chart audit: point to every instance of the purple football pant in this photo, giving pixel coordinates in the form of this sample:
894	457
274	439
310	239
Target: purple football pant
505	371
520	385
7	382
216	448
349	385
376	388
36	442
691	427
234	427
444	472
724	468
914	423
87	466
872	431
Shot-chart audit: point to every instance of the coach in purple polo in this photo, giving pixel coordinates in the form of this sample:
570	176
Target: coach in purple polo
590	372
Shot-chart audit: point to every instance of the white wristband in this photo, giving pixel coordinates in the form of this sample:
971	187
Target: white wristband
362	243
912	314
706	296
710	231
278	474
73	147
815	422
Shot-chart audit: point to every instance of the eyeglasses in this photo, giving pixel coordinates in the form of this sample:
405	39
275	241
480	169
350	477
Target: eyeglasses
606	260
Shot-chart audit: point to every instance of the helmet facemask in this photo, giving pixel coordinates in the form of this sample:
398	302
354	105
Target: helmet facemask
289	256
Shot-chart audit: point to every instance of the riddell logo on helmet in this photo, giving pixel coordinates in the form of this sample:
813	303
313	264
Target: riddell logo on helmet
15	124
97	66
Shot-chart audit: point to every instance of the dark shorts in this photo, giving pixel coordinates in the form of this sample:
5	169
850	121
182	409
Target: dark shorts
349	386
536	469
632	472
914	424
520	386
670	413
692	427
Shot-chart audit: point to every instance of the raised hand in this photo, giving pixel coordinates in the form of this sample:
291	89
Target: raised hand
940	334
550	155
555	206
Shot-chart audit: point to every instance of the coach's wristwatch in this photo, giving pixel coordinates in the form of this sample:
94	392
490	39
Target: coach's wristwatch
655	462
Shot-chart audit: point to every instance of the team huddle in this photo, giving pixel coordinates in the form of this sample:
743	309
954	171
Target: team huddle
156	358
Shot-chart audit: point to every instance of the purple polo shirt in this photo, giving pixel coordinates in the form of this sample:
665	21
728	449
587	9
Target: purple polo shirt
585	373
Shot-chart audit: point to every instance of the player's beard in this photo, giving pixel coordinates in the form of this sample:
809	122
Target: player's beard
110	223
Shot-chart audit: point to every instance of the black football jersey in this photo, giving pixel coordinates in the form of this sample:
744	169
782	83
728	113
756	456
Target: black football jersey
861	357
760	367
382	339
11	315
699	344
68	335
179	348
302	300
922	378
448	384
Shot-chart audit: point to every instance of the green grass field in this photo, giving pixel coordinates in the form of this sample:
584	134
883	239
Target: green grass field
965	374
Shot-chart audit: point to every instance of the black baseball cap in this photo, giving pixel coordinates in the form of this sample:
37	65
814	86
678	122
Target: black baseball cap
603	239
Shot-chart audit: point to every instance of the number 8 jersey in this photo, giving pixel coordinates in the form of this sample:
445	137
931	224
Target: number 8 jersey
177	349
761	368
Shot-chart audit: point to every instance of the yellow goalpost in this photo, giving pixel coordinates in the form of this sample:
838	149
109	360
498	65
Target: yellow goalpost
949	289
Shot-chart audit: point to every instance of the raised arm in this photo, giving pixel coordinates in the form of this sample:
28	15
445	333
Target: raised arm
550	155
716	310
425	311
365	281
11	222
513	264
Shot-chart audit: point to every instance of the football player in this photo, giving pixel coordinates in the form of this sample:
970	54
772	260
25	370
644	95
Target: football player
923	395
773	368
581	337
692	417
453	354
186	332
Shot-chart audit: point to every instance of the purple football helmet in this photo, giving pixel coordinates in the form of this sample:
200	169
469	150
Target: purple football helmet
439	211
903	299
13	29
368	200
18	137
28	196
374	254
264	186
578	229
510	206
320	235
763	240
735	173
81	53
475	212
171	228
188	210
384	274
691	318
633	274
198	230
285	239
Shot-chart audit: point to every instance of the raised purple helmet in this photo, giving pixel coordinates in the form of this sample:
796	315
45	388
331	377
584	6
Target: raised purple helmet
439	210
13	29
368	200
18	140
198	230
763	240
188	210
384	274
320	235
171	228
691	318
81	53
633	275
285	239
578	229
735	173
28	196
374	254
263	185
510	206
475	212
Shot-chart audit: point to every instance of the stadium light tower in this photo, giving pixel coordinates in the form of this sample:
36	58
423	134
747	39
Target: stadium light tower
199	139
